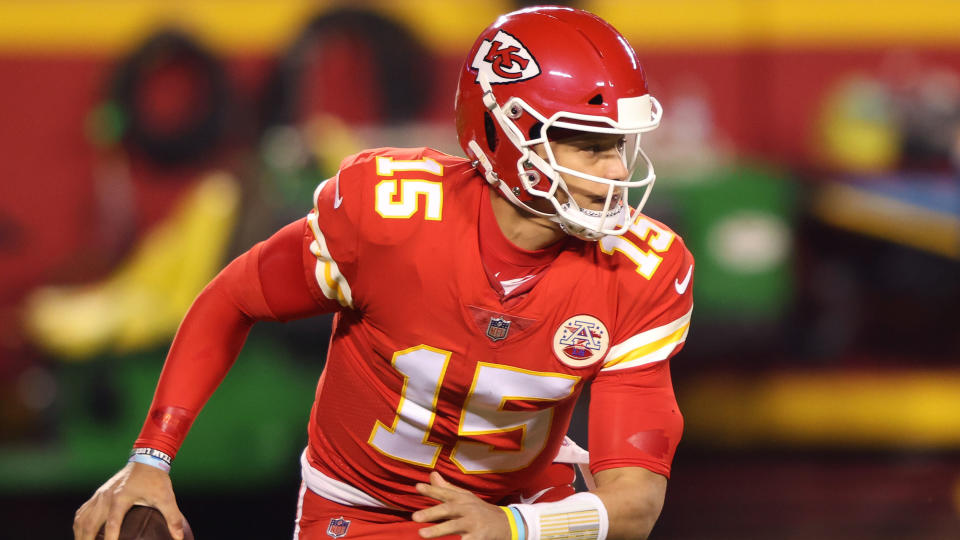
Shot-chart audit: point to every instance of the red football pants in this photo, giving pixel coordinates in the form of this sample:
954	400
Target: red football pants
323	519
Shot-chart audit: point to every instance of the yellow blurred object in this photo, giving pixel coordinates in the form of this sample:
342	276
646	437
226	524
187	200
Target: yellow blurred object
141	304
858	209
858	131
330	140
255	26
244	26
838	409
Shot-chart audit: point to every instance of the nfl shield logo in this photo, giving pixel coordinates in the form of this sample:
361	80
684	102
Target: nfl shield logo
338	527
498	328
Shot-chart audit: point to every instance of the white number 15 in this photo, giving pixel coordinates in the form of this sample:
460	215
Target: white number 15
423	368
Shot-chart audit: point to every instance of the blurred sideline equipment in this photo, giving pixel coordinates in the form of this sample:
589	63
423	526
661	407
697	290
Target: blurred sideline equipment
141	304
146	523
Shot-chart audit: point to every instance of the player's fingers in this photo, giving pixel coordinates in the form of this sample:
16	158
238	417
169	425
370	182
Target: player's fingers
118	509
444	495
88	519
442	490
434	492
438	480
454	526
174	518
435	513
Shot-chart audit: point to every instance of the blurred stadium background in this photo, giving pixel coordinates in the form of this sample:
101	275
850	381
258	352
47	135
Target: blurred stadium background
810	155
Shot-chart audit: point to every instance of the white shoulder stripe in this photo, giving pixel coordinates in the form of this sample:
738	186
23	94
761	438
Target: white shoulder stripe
649	346
333	284
656	355
316	192
645	338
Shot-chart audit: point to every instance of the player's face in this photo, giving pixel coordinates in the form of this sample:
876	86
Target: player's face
597	154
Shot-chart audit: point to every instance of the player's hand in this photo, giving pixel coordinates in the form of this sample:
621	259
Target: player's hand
134	484
459	512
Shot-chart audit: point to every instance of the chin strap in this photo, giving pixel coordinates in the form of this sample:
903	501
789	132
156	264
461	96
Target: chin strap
494	180
488	174
513	134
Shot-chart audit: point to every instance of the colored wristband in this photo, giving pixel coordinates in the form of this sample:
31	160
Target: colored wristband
515	520
152	461
521	530
152	457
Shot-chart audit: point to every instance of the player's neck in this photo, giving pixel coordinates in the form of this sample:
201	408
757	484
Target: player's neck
523	229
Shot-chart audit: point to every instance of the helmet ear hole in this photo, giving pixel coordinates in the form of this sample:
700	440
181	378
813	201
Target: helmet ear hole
534	132
491	131
596	100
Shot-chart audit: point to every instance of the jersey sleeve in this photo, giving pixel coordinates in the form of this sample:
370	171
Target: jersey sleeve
305	269
634	417
333	243
268	282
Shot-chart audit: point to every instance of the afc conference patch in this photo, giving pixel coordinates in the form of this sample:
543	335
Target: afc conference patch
580	341
498	328
338	527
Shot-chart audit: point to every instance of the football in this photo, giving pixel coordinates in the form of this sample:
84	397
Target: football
146	523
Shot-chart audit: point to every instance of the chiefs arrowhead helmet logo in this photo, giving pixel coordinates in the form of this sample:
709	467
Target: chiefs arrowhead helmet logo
504	59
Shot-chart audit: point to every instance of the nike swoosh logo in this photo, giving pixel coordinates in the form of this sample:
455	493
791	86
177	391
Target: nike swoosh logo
531	499
681	286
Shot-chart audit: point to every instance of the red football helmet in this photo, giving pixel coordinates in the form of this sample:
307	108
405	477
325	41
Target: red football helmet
555	67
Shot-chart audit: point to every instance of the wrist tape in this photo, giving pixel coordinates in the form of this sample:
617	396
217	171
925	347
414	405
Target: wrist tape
581	516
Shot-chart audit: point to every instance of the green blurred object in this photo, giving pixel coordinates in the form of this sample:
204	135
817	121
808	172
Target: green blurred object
250	433
105	124
738	223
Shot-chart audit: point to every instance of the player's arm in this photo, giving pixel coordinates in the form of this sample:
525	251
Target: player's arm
632	498
625	504
266	283
635	422
635	426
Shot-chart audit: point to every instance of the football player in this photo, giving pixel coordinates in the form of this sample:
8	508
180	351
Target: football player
475	298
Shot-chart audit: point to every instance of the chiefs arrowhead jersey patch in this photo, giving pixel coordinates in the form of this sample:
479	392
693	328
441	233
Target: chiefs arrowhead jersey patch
505	60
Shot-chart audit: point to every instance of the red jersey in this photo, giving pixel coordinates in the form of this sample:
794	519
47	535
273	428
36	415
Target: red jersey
429	368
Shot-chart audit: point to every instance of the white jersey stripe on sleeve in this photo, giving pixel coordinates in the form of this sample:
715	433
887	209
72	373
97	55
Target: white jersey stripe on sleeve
650	346
654	352
333	284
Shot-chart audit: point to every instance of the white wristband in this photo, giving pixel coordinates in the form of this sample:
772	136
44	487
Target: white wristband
581	516
152	461
152	457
